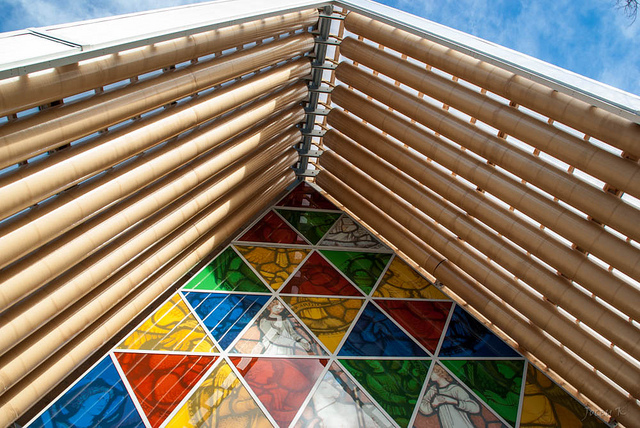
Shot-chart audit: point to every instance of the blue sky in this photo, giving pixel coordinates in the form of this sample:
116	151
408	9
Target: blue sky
590	37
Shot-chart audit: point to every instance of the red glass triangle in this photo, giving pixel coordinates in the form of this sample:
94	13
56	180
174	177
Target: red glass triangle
317	276
272	228
281	384
424	320
305	196
161	381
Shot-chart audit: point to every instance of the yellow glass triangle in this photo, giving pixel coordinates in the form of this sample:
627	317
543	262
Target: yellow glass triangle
170	328
221	400
402	281
328	318
273	264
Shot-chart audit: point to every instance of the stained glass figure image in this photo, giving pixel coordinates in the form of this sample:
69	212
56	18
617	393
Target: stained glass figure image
339	403
363	269
317	276
281	384
328	318
311	224
273	264
171	328
376	335
305	196
545	404
277	332
161	381
467	337
220	401
225	315
424	320
346	232
272	228
496	382
447	404
98	399
227	272
402	281
394	384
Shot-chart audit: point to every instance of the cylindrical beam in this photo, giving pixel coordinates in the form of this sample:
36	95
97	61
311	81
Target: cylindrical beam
528	336
543	314
602	206
22	359
149	286
193	189
593	121
476	234
571	263
52	128
586	234
34	90
623	174
39	226
29	185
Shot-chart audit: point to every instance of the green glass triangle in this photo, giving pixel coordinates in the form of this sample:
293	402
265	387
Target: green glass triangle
311	224
363	269
394	384
227	272
497	382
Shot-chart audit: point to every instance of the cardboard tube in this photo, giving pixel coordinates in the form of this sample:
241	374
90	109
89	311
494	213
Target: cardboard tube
541	313
54	127
528	336
39	226
553	287
109	232
602	206
31	91
145	288
586	234
623	174
593	121
29	185
30	353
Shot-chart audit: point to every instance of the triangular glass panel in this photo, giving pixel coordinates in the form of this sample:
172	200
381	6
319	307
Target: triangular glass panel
317	276
171	328
220	401
277	332
447	403
394	384
98	399
271	228
467	337
281	384
161	381
402	281
497	382
305	196
347	233
329	319
545	404
311	224
363	269
339	402
273	264
225	315
227	272
375	335
423	320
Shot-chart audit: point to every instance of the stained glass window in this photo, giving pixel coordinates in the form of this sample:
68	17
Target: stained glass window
308	320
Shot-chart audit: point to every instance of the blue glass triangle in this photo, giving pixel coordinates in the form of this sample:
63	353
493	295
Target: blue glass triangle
225	315
98	399
375	335
467	337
